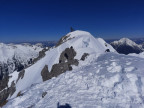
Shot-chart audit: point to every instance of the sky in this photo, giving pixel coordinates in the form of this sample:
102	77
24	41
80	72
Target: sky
46	20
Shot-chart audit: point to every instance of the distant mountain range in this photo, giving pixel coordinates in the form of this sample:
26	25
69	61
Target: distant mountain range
127	46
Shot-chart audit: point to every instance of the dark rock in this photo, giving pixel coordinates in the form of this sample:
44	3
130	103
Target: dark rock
19	94
20	67
58	69
4	83
84	56
12	89
71	29
41	55
21	75
67	55
65	61
5	93
107	50
63	106
63	39
43	94
45	73
3	96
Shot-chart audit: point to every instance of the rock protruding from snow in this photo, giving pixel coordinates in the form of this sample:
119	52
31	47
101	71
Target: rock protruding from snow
126	46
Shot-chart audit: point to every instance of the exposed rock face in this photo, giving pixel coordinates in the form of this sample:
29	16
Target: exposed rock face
84	56
3	83
21	75
107	50
5	93
45	73
63	39
67	55
43	94
41	55
65	61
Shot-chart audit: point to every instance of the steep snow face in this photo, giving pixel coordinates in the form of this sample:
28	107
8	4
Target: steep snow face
11	54
126	46
109	81
81	41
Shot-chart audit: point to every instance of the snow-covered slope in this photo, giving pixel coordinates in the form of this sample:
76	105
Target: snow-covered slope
141	55
81	41
102	80
126	46
12	55
109	81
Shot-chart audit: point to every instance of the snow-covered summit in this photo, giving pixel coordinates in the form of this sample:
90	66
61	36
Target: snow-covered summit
105	80
126	46
125	41
80	41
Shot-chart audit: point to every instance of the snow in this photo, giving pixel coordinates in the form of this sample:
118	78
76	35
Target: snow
125	41
103	80
21	52
82	42
85	87
141	55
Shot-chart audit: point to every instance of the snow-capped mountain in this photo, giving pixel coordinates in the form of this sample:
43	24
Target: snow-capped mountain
126	46
80	71
16	56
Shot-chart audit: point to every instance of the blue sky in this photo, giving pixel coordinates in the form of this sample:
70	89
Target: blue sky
39	20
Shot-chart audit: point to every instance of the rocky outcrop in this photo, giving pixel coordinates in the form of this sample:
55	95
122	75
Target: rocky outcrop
5	93
84	56
41	55
3	83
66	61
107	50
21	75
63	39
45	73
43	94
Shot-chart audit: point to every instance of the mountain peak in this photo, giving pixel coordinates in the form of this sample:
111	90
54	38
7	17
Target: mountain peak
126	46
125	41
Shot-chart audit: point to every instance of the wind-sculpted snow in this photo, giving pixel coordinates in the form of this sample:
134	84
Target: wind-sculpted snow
109	81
